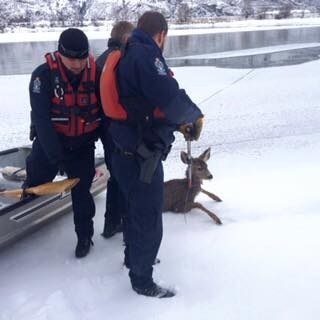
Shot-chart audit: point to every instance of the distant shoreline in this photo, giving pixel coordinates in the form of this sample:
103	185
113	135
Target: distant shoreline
52	34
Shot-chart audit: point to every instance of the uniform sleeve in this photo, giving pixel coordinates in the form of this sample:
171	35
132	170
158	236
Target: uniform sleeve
163	91
40	100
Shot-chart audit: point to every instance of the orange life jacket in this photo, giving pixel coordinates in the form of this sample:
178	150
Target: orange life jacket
73	113
111	104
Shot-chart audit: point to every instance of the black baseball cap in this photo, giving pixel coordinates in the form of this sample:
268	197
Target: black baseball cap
73	43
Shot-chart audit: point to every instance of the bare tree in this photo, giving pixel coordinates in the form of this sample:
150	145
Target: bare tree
247	9
63	14
183	13
80	9
285	11
121	11
4	16
173	6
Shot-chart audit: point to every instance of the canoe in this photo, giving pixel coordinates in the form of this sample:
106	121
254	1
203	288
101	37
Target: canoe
21	217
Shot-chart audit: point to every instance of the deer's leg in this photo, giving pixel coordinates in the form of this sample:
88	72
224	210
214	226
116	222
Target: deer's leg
211	195
209	213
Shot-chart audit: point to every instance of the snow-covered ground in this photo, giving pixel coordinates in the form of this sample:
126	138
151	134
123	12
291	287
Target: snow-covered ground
263	126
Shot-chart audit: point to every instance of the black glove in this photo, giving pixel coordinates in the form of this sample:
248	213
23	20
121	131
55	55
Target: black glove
192	131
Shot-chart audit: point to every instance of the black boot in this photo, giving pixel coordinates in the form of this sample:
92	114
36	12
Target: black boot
155	291
83	247
111	229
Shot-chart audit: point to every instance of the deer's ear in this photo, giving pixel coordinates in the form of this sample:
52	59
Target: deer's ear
184	157
205	156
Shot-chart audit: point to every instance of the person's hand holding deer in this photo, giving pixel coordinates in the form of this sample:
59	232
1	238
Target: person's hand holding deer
192	131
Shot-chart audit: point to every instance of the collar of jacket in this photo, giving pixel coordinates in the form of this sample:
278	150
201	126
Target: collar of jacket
140	36
113	43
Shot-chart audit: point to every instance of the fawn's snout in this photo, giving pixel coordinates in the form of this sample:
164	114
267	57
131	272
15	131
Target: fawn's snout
200	170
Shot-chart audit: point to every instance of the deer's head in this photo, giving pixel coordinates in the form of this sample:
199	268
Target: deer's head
200	169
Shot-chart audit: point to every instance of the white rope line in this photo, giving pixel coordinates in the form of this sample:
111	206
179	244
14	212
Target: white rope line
275	137
225	88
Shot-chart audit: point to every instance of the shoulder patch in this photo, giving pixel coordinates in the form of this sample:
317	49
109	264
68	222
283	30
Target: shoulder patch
36	85
160	67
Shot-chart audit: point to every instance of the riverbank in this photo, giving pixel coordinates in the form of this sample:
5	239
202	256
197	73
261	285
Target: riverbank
102	32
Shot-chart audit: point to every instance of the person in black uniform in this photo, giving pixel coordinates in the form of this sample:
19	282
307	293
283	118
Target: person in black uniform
66	111
154	108
120	33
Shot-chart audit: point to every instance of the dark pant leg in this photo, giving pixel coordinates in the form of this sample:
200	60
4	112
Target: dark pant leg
81	165
114	198
114	210
143	219
39	169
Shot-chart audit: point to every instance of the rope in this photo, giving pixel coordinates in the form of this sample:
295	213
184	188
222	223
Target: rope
185	204
227	87
189	178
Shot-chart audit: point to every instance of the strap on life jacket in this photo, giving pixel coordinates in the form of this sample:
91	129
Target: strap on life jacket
130	109
108	88
73	112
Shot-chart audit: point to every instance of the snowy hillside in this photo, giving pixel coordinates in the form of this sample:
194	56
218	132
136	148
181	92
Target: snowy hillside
32	13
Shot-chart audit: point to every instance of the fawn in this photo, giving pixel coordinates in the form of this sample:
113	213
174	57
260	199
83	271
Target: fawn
179	197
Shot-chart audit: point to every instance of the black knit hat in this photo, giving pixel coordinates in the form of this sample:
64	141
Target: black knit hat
73	43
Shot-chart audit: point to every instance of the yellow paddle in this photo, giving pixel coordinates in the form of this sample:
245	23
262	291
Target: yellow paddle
43	189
